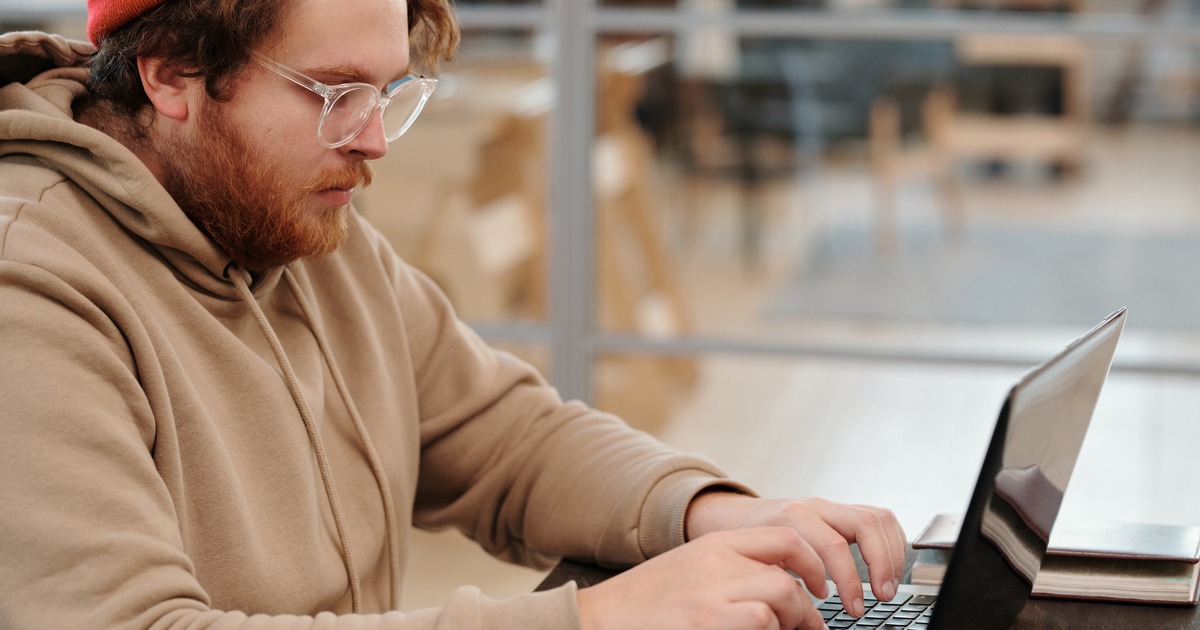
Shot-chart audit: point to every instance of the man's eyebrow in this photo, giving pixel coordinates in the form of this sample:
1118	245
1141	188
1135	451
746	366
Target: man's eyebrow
347	74
340	73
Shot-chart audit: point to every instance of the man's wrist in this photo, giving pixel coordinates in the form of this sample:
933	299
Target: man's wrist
705	510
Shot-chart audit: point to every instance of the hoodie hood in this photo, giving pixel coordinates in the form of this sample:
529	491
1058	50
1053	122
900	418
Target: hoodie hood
42	78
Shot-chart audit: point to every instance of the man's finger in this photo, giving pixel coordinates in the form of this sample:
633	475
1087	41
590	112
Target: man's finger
779	590
844	572
781	546
880	540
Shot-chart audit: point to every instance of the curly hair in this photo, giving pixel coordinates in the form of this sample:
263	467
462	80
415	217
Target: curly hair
213	39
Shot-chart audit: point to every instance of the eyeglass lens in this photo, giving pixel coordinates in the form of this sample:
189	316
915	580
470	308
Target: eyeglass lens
349	113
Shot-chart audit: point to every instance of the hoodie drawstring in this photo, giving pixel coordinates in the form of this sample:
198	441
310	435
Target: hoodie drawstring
240	279
389	510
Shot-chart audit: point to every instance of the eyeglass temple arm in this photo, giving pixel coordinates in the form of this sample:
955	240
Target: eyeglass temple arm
307	83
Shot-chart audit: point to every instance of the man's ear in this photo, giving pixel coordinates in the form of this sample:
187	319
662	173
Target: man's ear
167	90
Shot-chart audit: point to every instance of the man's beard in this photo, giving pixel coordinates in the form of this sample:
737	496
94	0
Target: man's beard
237	198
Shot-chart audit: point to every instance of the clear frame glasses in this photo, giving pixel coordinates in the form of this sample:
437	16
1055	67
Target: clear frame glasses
349	106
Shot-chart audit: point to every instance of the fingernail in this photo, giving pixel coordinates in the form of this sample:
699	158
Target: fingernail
895	589
859	608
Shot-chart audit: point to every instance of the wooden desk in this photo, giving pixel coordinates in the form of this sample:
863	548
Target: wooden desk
1039	614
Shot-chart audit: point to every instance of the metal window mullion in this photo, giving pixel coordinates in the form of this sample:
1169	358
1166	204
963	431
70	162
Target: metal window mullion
908	24
710	345
572	128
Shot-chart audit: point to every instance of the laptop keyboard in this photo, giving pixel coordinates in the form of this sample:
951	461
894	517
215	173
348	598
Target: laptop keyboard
905	611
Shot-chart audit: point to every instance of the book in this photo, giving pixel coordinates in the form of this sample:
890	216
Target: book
1136	562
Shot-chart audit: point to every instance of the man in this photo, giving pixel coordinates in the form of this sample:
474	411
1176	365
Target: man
225	398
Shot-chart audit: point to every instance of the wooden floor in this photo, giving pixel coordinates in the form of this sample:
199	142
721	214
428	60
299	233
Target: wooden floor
909	436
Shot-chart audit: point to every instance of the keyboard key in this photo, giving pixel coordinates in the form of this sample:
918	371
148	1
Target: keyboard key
904	611
923	600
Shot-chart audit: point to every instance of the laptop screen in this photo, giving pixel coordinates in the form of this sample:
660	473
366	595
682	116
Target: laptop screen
1025	473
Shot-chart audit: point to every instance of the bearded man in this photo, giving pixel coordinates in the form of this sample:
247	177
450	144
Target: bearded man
226	400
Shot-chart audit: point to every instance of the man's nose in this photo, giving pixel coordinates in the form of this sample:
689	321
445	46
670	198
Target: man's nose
371	142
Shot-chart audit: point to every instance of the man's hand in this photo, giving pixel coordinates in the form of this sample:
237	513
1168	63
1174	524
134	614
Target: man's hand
731	580
827	527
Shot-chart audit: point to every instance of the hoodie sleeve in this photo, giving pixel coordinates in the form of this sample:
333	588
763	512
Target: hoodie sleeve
529	477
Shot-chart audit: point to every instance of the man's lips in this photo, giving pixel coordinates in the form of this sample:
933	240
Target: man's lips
337	195
337	186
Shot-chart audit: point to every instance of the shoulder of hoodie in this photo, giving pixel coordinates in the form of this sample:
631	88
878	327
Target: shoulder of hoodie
25	184
24	180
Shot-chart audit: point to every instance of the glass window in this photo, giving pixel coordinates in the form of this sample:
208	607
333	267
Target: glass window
460	195
938	195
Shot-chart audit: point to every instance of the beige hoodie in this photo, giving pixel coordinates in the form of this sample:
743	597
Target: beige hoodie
184	446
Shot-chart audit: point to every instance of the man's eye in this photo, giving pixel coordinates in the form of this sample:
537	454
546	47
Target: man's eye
395	84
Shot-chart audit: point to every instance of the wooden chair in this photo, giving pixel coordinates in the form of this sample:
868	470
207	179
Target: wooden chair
952	134
1060	138
893	163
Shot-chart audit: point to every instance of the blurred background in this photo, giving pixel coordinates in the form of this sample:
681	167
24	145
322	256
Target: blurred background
816	239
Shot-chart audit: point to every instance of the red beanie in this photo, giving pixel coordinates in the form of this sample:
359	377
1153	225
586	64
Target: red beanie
106	16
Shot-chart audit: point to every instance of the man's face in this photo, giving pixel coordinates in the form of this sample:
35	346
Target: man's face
247	202
251	172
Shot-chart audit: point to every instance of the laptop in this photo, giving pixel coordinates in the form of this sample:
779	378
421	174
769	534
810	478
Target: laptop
1017	498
